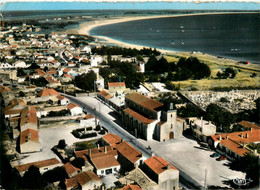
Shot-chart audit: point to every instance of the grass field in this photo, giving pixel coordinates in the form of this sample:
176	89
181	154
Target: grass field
243	78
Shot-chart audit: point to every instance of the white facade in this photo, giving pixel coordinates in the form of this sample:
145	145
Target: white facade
95	60
103	171
76	111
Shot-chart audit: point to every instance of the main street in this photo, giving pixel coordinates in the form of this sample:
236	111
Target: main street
103	113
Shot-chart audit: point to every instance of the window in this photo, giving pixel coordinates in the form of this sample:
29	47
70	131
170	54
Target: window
200	129
114	169
171	115
102	171
171	126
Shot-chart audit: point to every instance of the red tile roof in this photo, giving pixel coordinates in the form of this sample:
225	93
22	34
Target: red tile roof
66	70
72	105
67	76
131	187
138	116
112	139
240	137
61	97
89	116
96	152
39	164
4	89
105	161
235	147
249	125
129	152
116	84
40	72
105	94
81	178
144	101
70	168
48	92
29	135
28	115
158	164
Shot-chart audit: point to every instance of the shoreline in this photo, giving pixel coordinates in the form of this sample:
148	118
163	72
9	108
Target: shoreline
86	27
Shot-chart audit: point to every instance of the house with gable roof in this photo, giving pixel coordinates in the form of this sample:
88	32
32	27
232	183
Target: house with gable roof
29	141
234	145
111	139
28	119
74	109
43	165
131	187
161	172
71	170
85	181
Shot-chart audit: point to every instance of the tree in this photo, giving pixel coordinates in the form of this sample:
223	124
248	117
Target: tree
56	174
78	162
86	81
21	94
151	64
62	144
34	66
139	58
32	179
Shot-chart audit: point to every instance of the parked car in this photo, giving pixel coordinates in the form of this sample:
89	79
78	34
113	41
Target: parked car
221	158
215	155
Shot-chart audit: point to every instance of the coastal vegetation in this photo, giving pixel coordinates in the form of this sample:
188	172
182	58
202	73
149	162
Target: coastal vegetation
86	81
133	52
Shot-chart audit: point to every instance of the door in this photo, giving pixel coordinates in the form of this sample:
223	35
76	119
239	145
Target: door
171	135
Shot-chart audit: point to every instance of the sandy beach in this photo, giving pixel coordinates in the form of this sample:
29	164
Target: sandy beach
86	27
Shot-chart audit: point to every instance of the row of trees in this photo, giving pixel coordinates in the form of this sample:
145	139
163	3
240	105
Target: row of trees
190	68
125	52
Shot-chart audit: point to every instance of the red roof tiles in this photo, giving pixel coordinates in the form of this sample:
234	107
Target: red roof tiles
158	164
144	101
48	92
105	94
138	116
116	84
39	164
131	187
72	105
70	169
249	125
129	152
112	139
29	135
105	161
235	147
81	178
28	115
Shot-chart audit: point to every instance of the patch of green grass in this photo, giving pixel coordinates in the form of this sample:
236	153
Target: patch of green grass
85	144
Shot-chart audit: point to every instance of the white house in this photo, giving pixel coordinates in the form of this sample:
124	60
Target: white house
62	100
86	49
106	164
95	60
74	109
202	129
88	121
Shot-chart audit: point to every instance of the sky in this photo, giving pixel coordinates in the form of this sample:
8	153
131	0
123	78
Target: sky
8	6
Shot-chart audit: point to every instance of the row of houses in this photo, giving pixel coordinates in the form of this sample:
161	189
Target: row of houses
112	156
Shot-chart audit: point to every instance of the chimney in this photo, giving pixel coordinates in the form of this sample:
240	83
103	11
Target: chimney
227	136
169	167
98	146
122	140
153	153
105	149
241	135
251	129
89	152
247	135
220	137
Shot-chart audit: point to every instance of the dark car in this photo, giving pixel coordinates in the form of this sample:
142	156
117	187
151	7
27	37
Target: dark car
214	155
221	158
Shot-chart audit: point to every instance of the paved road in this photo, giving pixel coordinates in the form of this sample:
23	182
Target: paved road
95	107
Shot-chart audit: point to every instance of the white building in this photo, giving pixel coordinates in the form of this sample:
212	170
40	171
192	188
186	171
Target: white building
95	60
202	129
74	109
